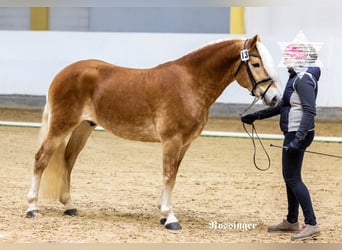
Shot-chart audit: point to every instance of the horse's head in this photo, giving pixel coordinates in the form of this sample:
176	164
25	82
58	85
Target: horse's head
256	71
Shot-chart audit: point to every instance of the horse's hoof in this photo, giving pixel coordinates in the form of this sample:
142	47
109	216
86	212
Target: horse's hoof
71	212
32	214
173	226
163	221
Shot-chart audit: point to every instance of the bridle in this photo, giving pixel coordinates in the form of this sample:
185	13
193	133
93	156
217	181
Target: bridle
245	54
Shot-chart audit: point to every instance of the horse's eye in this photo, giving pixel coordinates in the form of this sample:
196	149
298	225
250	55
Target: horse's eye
256	65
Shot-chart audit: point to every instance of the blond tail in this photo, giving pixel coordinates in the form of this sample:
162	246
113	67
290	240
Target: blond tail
54	179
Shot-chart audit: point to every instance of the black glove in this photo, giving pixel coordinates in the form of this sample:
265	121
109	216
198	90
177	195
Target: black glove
293	145
250	118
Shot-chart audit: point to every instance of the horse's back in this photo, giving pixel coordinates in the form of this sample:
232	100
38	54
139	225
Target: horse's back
82	78
111	96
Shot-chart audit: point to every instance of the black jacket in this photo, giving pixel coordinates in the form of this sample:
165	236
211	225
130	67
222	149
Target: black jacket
297	107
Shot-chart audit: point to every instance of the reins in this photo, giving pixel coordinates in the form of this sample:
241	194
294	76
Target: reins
251	135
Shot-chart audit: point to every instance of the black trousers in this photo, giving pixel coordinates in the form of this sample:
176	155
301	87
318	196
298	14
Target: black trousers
297	192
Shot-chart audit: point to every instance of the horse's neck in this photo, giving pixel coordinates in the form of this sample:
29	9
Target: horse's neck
212	69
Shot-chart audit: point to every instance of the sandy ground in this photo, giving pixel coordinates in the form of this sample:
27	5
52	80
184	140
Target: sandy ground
116	185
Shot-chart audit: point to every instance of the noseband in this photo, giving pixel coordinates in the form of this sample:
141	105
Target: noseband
244	59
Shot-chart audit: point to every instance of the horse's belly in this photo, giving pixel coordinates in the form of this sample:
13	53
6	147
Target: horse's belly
144	132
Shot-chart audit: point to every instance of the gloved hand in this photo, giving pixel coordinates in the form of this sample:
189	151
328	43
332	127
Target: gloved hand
293	145
250	118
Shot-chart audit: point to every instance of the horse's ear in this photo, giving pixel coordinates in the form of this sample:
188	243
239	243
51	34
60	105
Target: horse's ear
252	42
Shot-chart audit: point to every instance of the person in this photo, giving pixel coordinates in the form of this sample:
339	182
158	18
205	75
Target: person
297	109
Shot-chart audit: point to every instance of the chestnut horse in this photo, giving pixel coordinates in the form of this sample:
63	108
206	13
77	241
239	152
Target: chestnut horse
168	104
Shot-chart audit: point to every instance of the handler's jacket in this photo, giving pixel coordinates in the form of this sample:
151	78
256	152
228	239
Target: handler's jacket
297	108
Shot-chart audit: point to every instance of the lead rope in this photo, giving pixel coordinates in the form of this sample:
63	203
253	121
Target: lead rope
254	146
253	138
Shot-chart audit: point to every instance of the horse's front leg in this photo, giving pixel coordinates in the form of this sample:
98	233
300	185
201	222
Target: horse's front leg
173	153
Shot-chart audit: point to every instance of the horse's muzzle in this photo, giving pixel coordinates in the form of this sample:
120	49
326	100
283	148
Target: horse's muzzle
271	97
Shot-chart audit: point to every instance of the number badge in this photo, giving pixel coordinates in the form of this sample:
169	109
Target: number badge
244	55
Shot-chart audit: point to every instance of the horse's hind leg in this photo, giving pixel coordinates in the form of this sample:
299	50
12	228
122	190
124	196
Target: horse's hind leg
50	157
42	158
76	143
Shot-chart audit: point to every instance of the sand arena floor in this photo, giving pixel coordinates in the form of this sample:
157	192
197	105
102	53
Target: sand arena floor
116	185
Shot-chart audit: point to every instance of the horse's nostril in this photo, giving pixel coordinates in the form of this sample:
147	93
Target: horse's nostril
274	101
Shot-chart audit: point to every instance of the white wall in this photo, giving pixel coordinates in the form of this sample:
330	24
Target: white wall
29	60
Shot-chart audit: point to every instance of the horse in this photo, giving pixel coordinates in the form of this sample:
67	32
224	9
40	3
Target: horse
168	103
